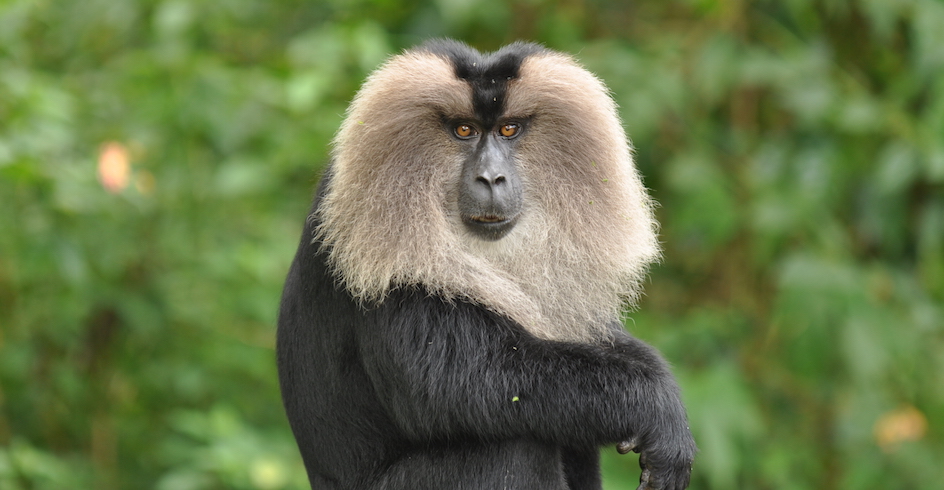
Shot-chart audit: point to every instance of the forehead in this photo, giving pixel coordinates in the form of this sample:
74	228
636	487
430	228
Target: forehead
489	75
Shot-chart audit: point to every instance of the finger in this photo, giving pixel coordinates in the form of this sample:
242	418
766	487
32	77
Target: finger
626	446
644	480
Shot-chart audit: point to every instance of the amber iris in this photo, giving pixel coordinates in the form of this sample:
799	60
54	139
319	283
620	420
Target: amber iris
509	130
464	131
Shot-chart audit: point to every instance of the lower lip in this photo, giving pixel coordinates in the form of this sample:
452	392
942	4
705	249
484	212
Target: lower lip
491	230
488	221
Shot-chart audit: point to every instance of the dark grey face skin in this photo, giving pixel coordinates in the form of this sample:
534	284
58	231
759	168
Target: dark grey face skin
490	190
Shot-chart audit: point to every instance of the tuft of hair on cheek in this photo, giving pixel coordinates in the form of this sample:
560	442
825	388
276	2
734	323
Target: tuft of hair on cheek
600	233
383	210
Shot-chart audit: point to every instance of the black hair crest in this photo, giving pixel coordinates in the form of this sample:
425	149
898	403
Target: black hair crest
488	73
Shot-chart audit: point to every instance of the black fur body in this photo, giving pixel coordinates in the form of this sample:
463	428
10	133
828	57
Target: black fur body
420	392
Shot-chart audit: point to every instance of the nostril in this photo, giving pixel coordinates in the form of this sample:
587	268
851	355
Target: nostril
489	181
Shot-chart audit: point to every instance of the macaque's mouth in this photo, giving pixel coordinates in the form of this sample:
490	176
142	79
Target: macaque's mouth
490	227
488	218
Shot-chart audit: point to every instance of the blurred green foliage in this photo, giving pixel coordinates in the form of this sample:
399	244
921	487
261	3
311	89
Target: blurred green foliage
796	148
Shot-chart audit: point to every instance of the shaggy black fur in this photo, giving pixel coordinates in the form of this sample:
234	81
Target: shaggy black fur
420	393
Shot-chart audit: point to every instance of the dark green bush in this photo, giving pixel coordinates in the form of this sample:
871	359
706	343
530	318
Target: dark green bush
796	148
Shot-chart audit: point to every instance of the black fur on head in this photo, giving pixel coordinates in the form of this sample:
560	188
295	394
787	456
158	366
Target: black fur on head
487	73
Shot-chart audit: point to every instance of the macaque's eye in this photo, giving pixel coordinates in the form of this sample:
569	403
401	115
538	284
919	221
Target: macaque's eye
464	131
509	130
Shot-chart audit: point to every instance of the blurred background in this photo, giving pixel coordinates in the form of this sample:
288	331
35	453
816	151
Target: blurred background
157	159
